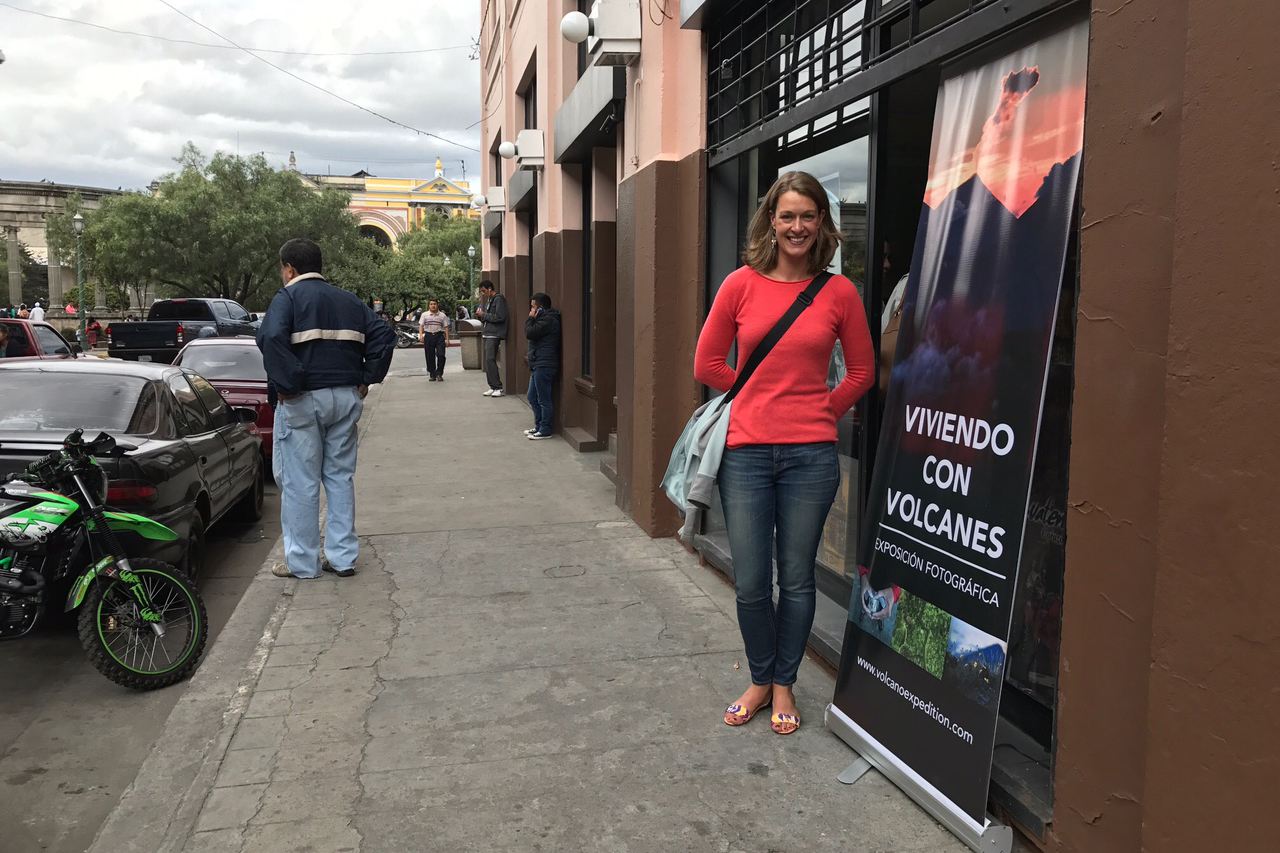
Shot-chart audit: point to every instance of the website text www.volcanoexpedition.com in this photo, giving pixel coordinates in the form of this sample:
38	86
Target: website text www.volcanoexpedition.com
930	710
912	560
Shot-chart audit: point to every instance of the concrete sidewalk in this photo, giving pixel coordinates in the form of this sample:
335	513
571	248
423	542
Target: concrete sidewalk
516	666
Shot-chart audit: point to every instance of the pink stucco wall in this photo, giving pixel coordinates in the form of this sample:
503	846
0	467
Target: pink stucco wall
665	108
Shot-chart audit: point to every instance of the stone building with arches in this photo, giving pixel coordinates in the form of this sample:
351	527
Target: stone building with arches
390	207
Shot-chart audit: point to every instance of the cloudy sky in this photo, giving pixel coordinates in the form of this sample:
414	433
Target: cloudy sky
82	105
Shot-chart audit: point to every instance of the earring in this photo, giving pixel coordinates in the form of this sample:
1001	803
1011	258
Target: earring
773	238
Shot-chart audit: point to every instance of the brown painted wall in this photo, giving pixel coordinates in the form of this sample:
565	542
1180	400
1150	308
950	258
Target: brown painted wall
1135	75
661	250
1214	719
1167	705
625	336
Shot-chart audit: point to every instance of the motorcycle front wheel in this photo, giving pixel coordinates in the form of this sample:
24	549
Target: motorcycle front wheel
127	649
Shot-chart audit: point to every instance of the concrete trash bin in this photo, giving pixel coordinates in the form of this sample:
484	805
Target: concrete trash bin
472	354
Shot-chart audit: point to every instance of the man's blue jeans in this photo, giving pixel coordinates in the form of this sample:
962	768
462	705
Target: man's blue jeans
315	442
540	397
779	492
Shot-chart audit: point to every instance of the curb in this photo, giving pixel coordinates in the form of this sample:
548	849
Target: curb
157	812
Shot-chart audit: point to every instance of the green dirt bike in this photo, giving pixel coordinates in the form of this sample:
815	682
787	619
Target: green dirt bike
142	622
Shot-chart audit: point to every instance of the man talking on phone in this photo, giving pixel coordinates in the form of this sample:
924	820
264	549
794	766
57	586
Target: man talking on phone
542	328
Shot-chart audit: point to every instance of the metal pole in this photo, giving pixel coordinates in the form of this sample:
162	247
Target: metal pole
84	338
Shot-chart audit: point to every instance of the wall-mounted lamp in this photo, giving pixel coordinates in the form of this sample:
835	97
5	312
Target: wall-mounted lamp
527	150
575	27
611	31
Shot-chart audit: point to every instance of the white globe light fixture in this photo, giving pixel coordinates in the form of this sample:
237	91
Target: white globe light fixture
575	27
507	150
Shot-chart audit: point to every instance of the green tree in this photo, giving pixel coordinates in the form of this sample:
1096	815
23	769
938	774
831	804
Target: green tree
361	267
214	228
421	271
60	233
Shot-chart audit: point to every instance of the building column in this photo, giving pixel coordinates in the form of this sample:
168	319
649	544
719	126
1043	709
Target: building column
55	286
661	247
99	298
15	264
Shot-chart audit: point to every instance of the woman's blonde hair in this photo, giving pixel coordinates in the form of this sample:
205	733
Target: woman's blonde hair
762	250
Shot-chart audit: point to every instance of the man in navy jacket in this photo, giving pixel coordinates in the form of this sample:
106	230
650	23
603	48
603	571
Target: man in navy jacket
542	328
322	348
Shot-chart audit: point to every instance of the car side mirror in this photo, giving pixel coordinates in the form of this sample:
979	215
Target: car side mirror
245	415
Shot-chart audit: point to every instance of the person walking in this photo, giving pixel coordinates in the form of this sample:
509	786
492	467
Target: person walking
433	328
780	469
37	313
542	328
322	348
494	317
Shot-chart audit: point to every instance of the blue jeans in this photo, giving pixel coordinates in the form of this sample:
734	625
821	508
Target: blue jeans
315	442
779	492
540	397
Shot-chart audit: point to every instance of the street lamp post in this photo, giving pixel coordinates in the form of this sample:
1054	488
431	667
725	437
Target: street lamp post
471	270
78	222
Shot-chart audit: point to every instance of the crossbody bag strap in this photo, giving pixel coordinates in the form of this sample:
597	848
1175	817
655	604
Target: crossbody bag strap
803	300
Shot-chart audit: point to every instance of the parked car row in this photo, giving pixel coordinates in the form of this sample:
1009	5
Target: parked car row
173	323
199	455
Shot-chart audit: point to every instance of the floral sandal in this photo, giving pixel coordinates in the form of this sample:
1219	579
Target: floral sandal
740	715
784	724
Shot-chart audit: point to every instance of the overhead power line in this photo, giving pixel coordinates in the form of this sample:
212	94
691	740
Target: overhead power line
317	87
418	160
228	46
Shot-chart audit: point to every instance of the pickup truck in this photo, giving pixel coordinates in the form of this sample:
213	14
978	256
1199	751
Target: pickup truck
171	323
33	339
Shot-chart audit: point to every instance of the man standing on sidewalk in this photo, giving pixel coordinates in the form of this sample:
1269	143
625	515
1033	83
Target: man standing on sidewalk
542	328
322	348
433	328
494	317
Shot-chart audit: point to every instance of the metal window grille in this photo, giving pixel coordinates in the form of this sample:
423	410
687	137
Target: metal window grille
766	58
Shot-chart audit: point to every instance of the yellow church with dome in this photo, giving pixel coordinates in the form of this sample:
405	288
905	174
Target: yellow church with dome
390	207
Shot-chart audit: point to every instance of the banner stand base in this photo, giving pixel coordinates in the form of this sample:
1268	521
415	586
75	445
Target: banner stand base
995	838
855	771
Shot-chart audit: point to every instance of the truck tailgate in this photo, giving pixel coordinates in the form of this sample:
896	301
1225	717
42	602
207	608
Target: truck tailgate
152	335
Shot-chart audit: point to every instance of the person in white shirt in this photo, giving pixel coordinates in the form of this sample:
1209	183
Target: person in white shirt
37	313
433	328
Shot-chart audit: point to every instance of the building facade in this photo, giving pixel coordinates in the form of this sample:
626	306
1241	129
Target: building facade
619	175
24	206
390	207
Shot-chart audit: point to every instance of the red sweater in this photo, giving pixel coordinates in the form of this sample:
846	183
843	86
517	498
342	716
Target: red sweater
786	400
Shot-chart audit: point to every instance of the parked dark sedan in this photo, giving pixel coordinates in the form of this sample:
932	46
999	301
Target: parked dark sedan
196	460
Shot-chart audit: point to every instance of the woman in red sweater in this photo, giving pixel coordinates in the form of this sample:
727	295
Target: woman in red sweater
780	470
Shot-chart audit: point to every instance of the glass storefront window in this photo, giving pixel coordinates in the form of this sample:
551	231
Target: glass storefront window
844	171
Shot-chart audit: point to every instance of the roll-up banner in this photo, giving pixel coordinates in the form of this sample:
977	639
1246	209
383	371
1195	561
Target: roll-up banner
918	688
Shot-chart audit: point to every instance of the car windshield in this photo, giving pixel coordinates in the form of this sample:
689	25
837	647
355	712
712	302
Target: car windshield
225	361
36	400
181	309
